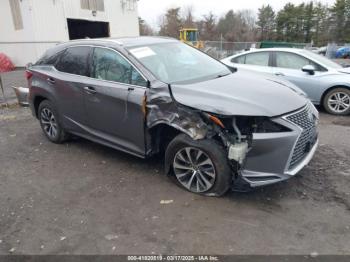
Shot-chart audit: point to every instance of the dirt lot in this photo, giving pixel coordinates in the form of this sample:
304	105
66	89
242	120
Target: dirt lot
83	198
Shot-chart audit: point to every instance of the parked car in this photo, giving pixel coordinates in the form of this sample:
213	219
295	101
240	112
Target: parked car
217	128
324	81
343	52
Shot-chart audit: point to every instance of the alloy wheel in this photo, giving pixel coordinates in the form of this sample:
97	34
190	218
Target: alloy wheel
194	169
49	123
339	102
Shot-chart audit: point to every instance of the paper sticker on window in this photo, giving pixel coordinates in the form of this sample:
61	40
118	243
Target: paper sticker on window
142	52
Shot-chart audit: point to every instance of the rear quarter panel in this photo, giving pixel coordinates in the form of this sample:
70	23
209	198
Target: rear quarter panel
38	86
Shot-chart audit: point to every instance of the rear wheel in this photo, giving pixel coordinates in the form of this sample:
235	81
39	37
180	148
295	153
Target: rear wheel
50	124
337	101
199	166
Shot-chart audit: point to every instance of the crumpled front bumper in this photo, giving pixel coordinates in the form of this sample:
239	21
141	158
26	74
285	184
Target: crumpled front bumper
272	157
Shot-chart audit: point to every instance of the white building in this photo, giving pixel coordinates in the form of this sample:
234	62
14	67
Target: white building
29	27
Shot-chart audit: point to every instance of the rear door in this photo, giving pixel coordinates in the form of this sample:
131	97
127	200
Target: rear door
68	80
257	61
114	101
289	66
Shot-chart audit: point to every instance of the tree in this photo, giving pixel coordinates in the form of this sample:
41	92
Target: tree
308	23
188	19
226	26
145	29
171	23
289	23
237	27
208	27
340	21
321	24
247	22
266	22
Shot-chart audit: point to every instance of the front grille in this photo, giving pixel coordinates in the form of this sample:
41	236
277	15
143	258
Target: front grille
307	121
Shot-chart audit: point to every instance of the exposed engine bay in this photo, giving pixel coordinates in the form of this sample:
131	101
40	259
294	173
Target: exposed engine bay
235	133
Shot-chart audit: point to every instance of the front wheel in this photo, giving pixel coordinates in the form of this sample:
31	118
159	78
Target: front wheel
337	101
199	166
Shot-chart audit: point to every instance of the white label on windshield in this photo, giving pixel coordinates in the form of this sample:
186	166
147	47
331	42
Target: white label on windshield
142	52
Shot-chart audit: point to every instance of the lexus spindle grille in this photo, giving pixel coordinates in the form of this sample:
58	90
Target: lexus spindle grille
307	122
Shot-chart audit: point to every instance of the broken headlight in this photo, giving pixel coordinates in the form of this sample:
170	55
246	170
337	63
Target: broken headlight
266	125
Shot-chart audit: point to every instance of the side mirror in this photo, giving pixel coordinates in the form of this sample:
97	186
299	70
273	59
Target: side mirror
309	69
232	68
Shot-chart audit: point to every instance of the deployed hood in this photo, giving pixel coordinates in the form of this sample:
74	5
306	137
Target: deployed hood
242	93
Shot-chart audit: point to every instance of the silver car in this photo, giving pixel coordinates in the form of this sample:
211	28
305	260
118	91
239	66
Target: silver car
326	83
148	96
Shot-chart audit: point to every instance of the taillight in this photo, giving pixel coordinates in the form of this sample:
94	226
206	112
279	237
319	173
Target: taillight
29	75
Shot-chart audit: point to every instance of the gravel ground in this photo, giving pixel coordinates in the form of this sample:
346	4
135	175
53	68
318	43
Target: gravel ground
83	198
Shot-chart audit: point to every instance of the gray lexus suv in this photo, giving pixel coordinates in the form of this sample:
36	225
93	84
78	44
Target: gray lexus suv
217	127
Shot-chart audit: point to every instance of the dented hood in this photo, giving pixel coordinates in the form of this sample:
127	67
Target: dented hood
241	93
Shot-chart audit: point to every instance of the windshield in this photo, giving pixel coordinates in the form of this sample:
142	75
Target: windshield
323	60
179	63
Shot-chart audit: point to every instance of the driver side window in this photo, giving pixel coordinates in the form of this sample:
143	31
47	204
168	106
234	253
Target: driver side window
290	61
109	65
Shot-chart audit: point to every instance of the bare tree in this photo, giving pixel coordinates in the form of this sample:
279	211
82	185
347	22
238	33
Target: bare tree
208	27
188	17
238	27
145	29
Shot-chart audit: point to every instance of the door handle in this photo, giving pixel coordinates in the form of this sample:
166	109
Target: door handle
50	80
90	90
279	74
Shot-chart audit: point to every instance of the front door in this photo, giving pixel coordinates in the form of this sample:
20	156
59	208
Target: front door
114	100
288	65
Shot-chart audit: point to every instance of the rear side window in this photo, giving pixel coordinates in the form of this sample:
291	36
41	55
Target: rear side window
239	60
75	61
49	59
259	59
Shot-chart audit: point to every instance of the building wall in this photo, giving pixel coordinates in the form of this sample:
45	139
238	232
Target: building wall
45	25
122	22
11	40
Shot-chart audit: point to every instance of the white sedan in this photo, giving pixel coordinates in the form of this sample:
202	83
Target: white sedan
324	81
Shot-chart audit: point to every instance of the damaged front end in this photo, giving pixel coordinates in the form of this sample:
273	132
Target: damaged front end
260	150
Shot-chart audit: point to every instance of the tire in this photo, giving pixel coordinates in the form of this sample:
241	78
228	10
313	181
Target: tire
181	155
333	98
50	124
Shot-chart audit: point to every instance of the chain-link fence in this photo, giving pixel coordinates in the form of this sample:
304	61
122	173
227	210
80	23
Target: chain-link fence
221	49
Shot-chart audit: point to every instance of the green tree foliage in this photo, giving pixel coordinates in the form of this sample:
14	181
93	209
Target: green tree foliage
340	20
311	21
289	23
266	22
321	33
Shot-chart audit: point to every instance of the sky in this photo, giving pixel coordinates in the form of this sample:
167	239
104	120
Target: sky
151	10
